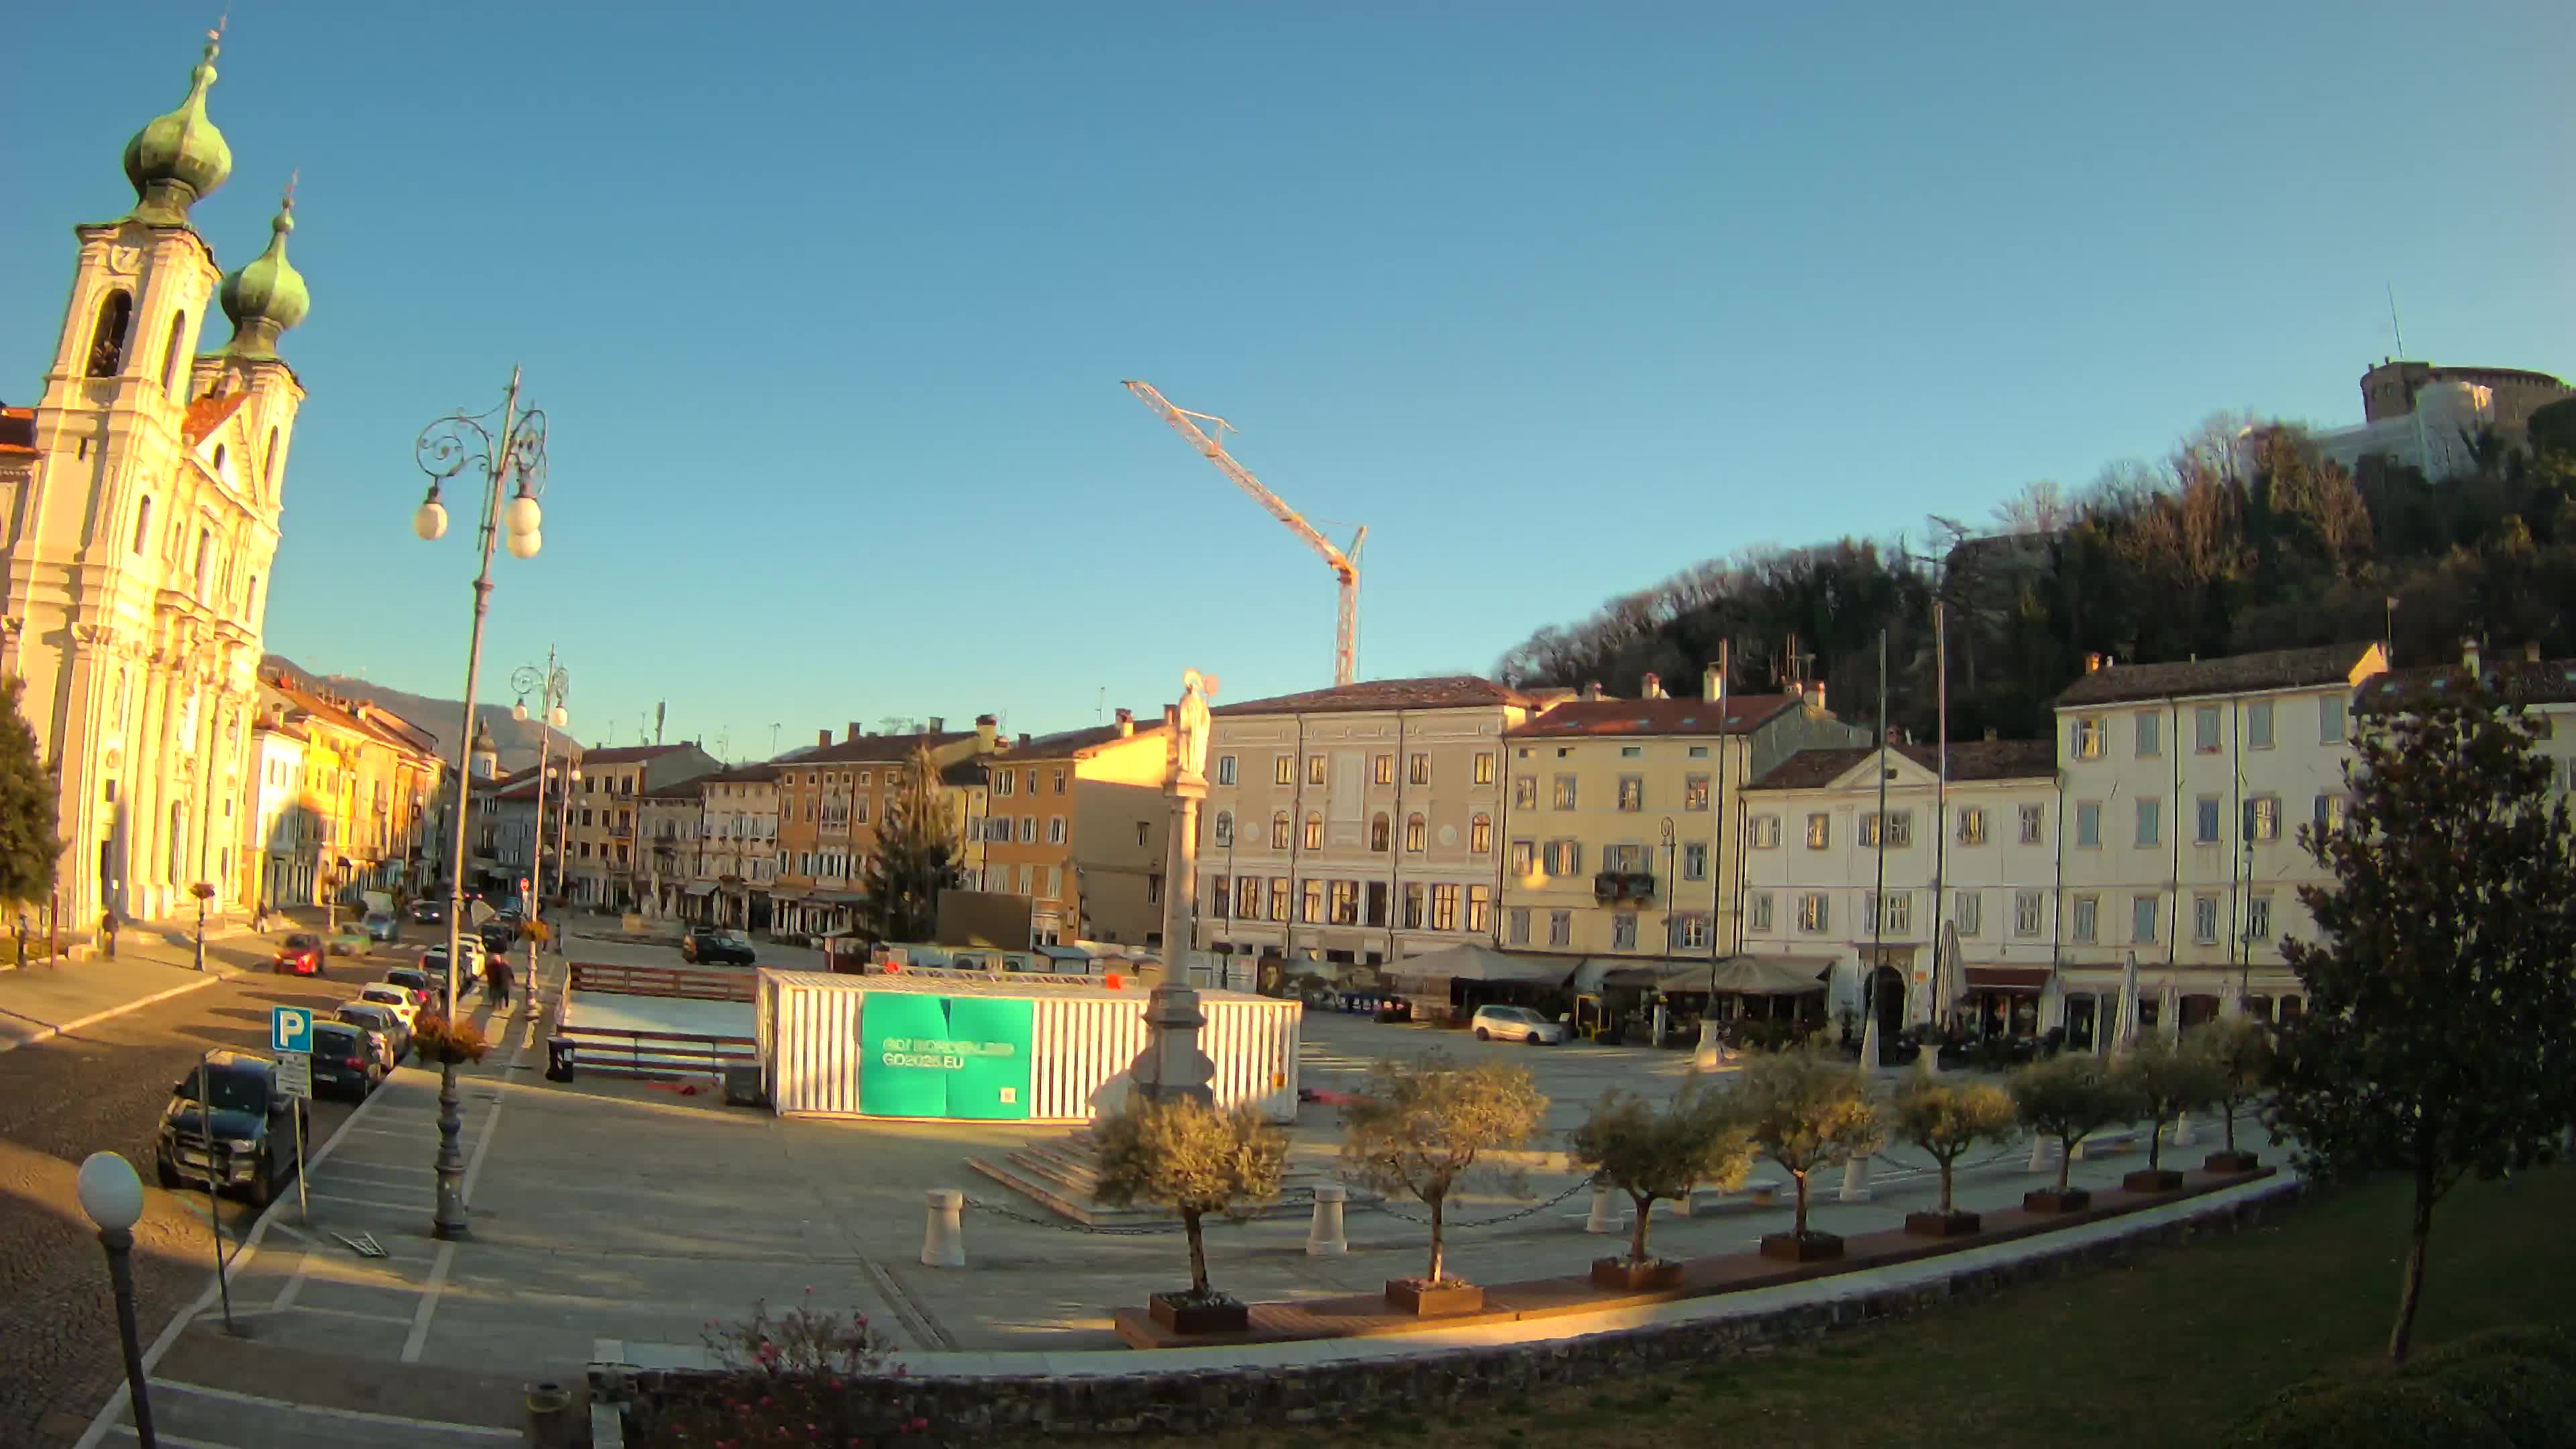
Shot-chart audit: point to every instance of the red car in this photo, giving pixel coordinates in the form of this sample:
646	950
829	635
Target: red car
300	956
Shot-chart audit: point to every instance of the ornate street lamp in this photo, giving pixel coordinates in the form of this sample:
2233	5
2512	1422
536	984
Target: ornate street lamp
112	1196
554	685
510	456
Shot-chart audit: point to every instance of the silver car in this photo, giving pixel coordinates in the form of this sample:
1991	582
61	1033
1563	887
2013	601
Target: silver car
1515	1023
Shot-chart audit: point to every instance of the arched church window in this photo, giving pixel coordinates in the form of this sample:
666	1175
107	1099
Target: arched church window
142	522
268	468
171	382
107	339
220	455
250	598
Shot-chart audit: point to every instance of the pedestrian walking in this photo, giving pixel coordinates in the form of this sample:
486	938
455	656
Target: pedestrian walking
22	939
107	932
503	978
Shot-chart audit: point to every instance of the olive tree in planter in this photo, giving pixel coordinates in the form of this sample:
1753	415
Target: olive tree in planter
2068	1097
2240	1056
1652	1154
1807	1114
1425	1126
1194	1159
2163	1081
1945	1119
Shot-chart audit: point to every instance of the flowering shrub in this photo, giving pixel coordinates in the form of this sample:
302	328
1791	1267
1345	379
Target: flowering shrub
784	1379
436	1040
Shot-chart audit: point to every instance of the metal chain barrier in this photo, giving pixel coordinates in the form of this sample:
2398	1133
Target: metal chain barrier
1063	1226
1581	1184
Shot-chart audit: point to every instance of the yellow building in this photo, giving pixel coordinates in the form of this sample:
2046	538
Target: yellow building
1078	823
364	785
1620	825
831	800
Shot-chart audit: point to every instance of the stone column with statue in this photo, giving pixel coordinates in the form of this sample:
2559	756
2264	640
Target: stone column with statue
1171	1065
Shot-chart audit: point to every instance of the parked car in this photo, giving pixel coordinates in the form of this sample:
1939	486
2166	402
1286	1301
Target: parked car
423	987
385	1031
228	1128
350	940
299	955
429	913
395	998
469	963
382	926
1515	1023
345	1061
499	933
711	945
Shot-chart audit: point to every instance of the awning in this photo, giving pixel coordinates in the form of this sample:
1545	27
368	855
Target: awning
2022	980
836	898
1628	973
702	888
1471	962
1759	976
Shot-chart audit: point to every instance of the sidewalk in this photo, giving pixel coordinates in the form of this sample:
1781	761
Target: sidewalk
44	1000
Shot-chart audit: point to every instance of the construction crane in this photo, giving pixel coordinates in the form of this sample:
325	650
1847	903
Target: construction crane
1345	565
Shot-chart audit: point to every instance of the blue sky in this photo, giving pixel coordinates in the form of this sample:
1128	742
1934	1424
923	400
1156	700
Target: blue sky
829	304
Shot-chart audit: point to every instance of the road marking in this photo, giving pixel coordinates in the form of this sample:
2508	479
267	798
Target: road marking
386	1167
173	1440
349	1313
482	1144
358	1416
294	1284
428	1305
374	1202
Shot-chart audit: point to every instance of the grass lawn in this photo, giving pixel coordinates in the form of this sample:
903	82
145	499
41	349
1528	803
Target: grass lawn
2169	1350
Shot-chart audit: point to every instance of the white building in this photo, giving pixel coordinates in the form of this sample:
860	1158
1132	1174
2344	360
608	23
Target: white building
143	491
1825	881
737	860
282	829
2185	787
1356	824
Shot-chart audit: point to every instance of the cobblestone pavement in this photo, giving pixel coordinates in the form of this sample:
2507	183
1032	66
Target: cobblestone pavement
103	1087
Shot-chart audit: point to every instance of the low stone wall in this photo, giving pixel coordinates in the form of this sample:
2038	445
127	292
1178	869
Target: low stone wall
1206	1401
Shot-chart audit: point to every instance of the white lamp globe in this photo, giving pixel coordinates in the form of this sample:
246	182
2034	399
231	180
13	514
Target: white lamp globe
557	717
519	711
431	521
109	1191
523	515
525	545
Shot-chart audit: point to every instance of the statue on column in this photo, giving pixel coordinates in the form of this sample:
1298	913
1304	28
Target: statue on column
1171	1065
1190	731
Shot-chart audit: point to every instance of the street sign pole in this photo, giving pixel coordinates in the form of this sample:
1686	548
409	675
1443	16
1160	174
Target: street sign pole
290	1035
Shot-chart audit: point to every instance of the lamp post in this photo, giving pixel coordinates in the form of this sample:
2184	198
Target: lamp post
112	1196
509	454
563	829
553	685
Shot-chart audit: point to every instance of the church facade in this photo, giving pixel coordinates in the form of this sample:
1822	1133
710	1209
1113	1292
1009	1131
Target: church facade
143	494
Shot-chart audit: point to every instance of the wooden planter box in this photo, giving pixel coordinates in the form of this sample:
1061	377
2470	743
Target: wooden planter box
1620	1276
2158	1179
2230	1162
1179	1317
1942	1225
1815	1247
1422	1300
2050	1200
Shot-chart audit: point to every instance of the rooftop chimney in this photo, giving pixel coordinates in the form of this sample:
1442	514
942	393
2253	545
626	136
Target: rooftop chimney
1652	687
939	724
1711	683
2092	663
850	731
986	729
1592	689
1816	697
1126	723
1024	737
824	737
2469	655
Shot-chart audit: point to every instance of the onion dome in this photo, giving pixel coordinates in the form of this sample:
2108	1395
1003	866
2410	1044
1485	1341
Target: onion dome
177	159
267	296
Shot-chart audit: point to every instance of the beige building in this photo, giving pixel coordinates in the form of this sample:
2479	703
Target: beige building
1619	828
1356	824
737	859
2185	787
143	493
609	868
1078	823
832	798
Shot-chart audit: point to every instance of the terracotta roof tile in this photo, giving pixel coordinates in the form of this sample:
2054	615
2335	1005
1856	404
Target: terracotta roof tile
869	749
1448	691
2231	674
208	413
627	754
2528	681
18	431
1691	716
1969	760
1068	743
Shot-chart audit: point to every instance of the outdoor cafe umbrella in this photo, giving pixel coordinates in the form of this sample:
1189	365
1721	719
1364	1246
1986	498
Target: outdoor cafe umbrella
2125	1035
2172	1013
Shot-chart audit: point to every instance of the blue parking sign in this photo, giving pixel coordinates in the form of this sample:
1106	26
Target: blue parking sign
290	1029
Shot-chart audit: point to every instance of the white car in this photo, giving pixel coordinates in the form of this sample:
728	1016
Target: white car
1515	1023
394	999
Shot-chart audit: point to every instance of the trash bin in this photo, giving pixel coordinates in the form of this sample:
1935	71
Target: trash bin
559	1055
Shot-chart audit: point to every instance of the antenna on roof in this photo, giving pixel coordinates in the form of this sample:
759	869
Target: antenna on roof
2393	324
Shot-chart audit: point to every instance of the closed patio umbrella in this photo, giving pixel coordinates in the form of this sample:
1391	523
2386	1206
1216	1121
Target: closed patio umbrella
2125	1035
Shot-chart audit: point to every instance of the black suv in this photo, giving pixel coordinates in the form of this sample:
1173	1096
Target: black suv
247	1141
706	944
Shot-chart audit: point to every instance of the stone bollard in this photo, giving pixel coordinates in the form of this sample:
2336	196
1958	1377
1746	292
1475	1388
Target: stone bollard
1928	1057
1856	1180
943	1242
551	1424
1602	1219
1324	1238
2038	1153
2183	1136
